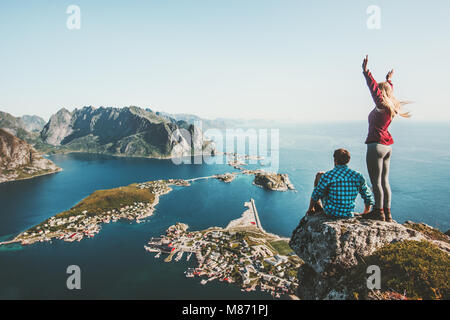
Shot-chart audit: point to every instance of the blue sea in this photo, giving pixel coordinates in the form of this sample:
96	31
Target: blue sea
114	264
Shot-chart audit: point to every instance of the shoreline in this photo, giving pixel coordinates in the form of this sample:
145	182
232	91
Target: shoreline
178	182
119	155
32	177
247	256
94	227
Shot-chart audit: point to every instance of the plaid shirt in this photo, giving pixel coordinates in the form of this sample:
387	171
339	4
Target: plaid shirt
338	189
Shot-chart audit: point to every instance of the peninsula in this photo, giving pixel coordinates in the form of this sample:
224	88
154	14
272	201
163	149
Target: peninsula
241	253
134	202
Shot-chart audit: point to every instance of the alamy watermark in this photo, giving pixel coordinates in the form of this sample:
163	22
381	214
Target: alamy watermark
374	19
73	21
249	145
74	280
374	279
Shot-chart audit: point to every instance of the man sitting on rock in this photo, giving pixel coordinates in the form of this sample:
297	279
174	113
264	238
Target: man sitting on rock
335	191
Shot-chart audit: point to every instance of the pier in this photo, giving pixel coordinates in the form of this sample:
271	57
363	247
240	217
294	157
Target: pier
249	218
255	212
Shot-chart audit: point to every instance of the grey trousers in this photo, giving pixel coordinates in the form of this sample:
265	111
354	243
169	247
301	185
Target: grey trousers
378	161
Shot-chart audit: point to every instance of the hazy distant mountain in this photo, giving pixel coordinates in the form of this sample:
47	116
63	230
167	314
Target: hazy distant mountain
219	123
18	126
32	123
19	160
130	131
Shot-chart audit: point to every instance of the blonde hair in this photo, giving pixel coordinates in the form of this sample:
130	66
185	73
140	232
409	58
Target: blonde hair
390	102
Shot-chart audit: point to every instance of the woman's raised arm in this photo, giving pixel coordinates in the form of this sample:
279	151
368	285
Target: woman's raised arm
371	83
389	77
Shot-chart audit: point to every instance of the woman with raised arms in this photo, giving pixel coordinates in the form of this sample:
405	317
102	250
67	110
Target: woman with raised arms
379	141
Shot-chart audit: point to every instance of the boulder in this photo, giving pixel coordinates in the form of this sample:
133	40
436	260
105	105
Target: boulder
330	246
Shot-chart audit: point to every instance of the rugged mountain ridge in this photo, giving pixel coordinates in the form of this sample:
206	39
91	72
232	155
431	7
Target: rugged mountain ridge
19	160
129	131
413	258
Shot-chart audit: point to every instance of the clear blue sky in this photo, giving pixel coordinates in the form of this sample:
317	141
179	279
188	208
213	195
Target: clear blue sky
298	60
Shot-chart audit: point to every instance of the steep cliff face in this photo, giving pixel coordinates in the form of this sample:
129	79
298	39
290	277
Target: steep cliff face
19	160
124	131
334	249
57	128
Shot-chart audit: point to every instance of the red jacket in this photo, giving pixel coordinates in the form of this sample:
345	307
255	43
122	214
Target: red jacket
378	121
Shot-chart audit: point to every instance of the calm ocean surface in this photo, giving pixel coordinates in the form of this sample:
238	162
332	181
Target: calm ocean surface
114	263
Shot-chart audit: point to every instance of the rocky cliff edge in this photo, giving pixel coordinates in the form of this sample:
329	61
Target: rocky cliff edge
336	253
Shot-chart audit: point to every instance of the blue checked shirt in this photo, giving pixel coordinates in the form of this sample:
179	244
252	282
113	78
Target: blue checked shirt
338	189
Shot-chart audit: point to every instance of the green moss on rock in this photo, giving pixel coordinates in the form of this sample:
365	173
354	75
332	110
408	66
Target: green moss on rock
428	231
419	270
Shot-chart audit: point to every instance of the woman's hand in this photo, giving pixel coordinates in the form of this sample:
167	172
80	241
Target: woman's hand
364	64
389	75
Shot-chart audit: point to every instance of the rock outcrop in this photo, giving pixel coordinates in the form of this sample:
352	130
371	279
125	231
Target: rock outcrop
58	127
332	247
129	131
226	177
19	160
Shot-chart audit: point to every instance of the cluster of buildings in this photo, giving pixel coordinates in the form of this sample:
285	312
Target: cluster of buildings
160	187
240	257
75	225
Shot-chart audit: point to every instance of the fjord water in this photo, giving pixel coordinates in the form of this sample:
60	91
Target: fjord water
115	265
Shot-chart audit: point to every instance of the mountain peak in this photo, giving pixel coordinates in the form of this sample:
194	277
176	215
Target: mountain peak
130	131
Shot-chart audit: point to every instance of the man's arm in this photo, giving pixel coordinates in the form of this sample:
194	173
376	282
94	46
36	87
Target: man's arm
366	194
318	193
312	206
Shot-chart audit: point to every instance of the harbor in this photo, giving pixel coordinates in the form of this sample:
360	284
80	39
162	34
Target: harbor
242	253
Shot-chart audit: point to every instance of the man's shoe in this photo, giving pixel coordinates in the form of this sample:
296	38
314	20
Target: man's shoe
375	214
387	215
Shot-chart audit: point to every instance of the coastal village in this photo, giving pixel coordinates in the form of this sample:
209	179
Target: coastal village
242	253
134	203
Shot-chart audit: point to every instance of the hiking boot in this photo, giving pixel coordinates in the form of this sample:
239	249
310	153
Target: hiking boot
375	214
387	215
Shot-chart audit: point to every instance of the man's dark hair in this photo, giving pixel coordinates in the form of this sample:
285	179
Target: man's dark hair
341	156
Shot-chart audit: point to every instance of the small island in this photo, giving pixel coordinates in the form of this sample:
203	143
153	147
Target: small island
134	202
268	180
226	177
272	181
242	253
